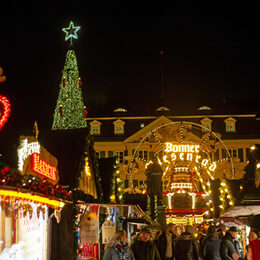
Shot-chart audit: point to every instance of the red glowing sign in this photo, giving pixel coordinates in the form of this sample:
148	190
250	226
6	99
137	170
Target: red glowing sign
5	111
43	168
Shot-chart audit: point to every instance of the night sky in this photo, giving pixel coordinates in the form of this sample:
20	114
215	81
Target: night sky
209	53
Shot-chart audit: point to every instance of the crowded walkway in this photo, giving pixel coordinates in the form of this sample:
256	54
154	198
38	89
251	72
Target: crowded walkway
183	243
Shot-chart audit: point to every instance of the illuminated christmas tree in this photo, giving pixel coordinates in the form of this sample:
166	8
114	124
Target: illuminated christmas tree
70	112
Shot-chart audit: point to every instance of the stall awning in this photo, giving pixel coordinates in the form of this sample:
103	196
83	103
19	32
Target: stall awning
240	211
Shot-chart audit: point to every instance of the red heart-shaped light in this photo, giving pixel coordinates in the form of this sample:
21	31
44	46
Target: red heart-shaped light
5	111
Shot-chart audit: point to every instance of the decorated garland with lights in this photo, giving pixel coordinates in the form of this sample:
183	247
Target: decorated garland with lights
12	178
117	185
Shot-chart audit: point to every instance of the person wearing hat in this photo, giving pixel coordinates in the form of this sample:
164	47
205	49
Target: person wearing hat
143	247
228	247
211	245
187	246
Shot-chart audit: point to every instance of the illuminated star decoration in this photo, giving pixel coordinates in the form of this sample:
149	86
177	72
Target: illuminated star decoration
71	32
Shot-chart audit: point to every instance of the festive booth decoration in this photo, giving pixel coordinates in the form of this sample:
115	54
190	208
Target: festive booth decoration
108	229
89	228
34	159
188	154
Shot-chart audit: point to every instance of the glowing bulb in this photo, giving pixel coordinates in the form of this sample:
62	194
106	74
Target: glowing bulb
252	148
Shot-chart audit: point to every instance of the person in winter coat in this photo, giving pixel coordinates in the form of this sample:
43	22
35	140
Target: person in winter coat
143	247
165	243
253	252
211	245
187	247
117	248
228	250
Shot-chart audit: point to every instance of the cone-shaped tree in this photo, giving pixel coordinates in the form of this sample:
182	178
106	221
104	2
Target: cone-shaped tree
70	111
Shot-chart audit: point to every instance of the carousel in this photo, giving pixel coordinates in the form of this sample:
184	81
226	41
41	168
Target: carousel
195	164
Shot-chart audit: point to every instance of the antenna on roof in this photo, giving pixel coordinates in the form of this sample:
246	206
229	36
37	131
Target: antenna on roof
162	78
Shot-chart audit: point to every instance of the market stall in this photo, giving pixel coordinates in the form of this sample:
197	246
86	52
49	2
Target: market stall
28	195
97	223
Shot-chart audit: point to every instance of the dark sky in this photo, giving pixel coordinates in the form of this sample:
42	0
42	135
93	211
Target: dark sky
210	53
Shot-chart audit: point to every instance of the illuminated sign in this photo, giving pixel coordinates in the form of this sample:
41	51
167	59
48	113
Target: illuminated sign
43	168
25	150
6	110
182	148
186	152
34	159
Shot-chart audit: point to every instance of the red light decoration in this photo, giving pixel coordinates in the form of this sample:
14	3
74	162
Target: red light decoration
43	168
5	111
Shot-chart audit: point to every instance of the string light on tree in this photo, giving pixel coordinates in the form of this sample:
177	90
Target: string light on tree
70	112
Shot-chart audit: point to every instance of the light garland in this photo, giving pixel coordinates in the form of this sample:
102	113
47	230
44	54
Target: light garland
225	196
26	196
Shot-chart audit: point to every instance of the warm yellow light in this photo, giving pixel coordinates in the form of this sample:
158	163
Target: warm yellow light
252	147
258	166
35	198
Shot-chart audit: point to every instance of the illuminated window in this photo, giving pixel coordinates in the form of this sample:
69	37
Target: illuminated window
206	122
142	125
120	156
142	154
95	127
230	124
119	127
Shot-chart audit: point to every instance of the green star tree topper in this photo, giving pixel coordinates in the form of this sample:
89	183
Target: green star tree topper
70	112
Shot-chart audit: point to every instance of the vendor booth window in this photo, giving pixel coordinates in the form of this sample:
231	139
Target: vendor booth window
206	122
119	127
95	127
230	125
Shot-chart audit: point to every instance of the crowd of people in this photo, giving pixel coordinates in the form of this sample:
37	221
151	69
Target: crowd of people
179	243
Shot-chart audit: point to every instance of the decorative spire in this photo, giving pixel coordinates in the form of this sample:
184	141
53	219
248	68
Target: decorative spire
36	130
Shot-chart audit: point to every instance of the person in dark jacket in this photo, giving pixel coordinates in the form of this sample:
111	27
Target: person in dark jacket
165	243
187	247
211	245
143	247
228	250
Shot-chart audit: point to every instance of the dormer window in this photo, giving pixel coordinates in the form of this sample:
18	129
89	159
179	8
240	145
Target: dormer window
119	127
95	127
206	123
230	125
